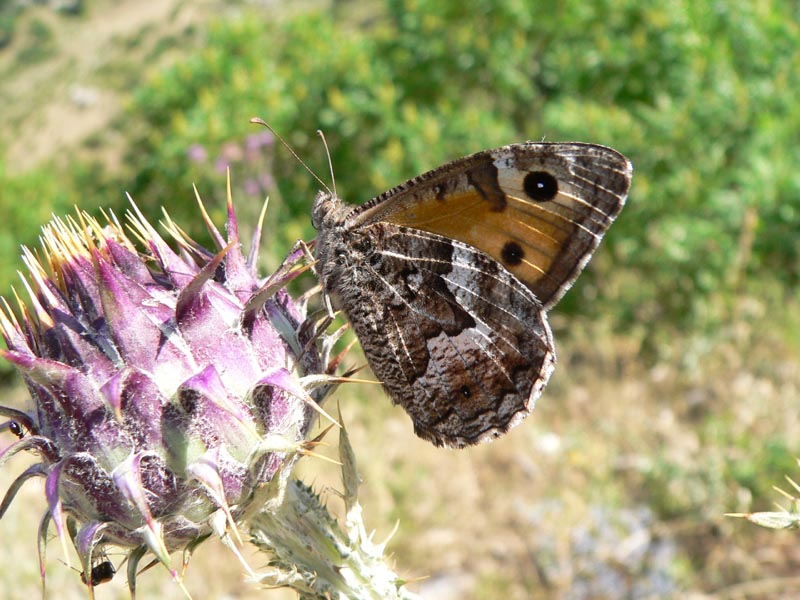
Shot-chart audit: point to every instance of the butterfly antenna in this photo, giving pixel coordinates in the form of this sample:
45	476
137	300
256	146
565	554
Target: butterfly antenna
330	162
260	121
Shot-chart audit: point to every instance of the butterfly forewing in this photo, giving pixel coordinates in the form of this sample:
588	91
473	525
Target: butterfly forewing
539	209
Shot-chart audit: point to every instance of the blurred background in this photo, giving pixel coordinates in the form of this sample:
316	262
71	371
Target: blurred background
676	396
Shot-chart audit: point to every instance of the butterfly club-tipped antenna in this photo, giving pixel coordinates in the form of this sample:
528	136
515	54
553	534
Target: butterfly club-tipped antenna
260	121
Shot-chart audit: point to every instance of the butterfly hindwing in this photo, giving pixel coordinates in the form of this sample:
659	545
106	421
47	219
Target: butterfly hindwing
453	337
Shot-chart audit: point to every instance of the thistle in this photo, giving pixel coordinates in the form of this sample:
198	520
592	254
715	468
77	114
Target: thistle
173	392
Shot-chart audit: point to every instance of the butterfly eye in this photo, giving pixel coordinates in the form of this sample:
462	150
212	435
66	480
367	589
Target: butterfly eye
540	186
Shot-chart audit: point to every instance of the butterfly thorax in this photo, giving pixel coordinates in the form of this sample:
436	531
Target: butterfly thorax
339	248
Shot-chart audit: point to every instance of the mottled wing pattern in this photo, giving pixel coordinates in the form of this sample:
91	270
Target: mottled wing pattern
540	209
447	278
454	338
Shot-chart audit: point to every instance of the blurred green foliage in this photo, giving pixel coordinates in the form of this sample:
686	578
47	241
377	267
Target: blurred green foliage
701	96
27	201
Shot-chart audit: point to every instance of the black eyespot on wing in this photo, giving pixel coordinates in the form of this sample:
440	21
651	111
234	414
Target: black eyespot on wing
540	186
512	253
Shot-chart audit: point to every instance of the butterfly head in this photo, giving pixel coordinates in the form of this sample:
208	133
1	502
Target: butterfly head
331	250
328	211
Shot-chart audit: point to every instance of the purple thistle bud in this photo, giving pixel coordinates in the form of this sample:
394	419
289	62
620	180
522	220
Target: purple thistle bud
167	385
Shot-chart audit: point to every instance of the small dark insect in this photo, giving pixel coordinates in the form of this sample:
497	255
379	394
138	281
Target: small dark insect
101	573
15	428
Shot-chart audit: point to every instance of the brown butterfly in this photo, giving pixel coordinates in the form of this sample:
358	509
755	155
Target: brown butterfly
446	279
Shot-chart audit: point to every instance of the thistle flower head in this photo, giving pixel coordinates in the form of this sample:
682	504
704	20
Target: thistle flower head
168	386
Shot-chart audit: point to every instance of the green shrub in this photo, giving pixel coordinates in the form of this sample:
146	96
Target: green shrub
702	99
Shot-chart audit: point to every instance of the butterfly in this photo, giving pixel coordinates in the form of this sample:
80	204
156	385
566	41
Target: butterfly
447	279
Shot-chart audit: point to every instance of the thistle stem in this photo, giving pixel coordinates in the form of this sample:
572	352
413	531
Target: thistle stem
317	557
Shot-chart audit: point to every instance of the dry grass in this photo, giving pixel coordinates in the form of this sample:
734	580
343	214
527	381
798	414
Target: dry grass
615	487
52	106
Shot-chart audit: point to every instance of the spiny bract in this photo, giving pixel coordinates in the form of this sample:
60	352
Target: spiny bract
168	386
